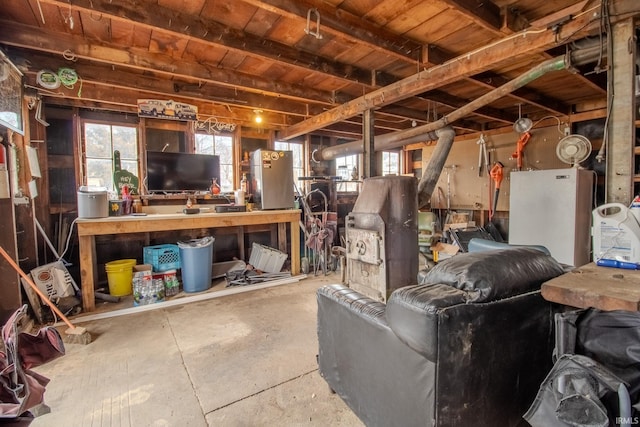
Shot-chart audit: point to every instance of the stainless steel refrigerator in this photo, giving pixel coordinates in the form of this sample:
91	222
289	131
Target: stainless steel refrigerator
272	179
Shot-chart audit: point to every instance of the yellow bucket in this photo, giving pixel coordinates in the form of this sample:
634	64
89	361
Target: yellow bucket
120	276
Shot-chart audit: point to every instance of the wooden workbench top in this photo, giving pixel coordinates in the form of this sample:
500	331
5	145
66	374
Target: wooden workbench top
181	221
603	288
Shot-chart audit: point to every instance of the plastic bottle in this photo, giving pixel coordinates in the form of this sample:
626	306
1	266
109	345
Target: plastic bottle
127	200
215	187
243	183
635	208
137	206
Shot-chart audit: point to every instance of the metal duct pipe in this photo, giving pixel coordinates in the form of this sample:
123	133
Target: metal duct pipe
424	133
431	174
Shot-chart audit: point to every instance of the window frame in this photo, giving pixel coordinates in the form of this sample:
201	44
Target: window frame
348	185
85	157
225	185
278	146
383	168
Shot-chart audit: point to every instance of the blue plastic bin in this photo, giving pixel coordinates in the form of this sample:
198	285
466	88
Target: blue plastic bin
196	258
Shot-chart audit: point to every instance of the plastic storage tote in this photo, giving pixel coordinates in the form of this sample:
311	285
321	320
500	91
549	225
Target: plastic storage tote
196	257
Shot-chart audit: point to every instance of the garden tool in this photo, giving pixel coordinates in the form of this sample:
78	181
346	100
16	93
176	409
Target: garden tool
483	158
496	174
519	153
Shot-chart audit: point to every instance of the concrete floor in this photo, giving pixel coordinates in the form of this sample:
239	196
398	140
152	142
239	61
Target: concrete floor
239	360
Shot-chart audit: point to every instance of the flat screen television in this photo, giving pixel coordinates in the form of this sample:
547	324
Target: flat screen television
181	172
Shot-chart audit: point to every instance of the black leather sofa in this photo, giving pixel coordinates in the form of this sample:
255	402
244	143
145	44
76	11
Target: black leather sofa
469	346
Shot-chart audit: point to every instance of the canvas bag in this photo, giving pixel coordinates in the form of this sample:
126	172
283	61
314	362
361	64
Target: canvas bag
21	389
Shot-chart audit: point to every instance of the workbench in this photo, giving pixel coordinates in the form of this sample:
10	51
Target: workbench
591	286
89	228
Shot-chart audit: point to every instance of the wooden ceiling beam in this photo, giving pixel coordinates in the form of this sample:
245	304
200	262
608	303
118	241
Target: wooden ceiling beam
483	13
487	15
193	93
342	24
43	40
211	32
524	95
103	97
454	102
357	30
117	11
467	64
192	90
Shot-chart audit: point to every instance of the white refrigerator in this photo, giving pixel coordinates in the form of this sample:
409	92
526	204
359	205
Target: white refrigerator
553	208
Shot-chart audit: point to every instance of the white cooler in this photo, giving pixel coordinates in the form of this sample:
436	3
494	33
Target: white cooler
92	202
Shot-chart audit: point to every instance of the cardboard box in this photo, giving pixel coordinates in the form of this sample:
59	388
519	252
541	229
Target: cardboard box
142	270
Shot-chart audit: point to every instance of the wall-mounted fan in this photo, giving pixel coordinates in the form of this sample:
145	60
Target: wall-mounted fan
573	149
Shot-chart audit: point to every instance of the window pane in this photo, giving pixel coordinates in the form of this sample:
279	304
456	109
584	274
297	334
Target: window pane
346	167
226	176
125	140
221	146
204	144
100	173
390	163
98	140
297	151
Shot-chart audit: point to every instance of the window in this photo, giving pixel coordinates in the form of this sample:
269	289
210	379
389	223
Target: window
347	170
298	157
221	146
101	140
390	163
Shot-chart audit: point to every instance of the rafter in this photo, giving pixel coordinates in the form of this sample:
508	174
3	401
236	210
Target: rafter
468	64
213	33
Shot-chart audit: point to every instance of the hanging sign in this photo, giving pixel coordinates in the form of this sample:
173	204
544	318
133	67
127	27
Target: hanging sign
163	109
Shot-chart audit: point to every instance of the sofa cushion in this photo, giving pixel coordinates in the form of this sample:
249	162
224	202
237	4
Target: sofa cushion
495	274
412	313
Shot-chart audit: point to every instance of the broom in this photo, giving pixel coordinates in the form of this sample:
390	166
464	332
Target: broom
73	335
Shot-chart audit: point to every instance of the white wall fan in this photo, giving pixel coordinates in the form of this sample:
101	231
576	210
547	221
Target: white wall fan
573	149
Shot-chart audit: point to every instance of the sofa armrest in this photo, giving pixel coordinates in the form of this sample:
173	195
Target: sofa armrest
412	314
358	303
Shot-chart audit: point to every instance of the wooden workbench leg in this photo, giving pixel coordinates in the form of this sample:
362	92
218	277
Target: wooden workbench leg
282	237
295	248
240	236
88	271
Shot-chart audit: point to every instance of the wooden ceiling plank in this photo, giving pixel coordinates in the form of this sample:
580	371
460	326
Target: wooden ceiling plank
184	26
524	95
343	24
466	65
381	80
28	38
483	13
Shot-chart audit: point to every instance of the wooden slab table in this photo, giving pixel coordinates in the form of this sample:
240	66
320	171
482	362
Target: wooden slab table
603	288
88	228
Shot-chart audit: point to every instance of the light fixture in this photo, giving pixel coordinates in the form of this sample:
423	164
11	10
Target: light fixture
258	117
523	124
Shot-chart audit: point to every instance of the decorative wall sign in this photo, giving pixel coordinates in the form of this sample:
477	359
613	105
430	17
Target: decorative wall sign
10	95
211	125
163	109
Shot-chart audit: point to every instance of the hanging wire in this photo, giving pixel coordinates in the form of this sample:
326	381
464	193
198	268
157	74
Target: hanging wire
550	117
